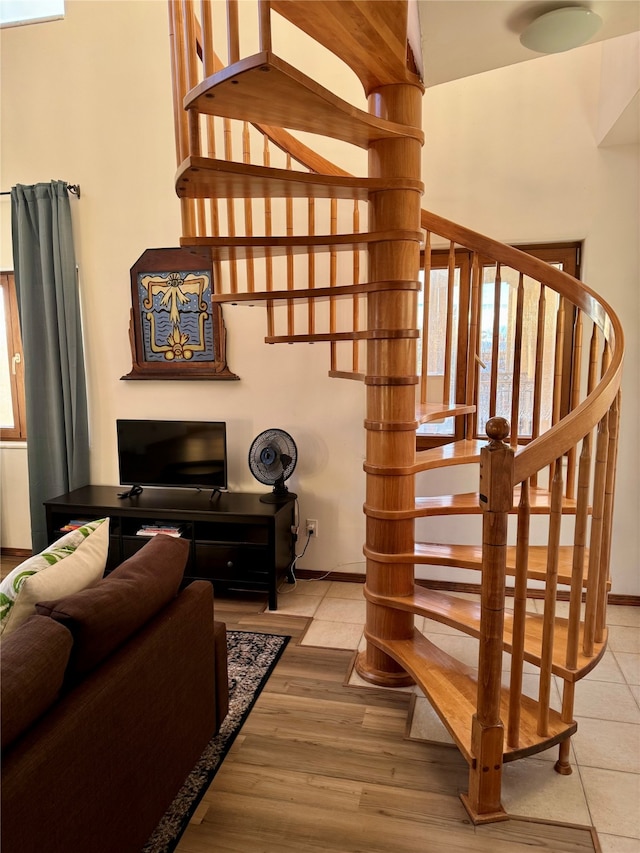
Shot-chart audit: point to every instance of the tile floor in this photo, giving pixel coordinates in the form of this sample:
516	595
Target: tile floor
603	790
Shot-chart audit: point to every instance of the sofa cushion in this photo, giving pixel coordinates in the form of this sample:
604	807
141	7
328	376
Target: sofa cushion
103	617
33	661
73	562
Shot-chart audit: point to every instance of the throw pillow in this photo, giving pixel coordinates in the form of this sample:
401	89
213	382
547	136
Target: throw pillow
70	564
103	617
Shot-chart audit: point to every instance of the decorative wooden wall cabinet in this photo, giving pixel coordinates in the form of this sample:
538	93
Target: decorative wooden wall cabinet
176	330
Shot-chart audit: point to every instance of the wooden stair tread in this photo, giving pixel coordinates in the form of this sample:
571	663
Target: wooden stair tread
451	688
265	89
428	412
320	293
241	248
370	38
470	557
468	503
204	177
347	374
354	335
455	453
464	615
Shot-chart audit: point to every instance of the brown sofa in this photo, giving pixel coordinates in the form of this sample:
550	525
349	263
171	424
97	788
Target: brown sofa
109	697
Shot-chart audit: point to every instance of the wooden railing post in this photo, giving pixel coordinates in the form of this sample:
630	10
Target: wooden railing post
487	733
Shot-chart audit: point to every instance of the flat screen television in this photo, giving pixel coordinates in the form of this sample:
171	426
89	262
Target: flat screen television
189	454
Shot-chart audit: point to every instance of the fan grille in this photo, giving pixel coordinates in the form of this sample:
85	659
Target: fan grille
272	456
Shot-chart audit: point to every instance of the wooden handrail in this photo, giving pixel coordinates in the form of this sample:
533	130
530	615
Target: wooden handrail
556	441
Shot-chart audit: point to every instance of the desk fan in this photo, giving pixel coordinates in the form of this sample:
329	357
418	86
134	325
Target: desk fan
272	459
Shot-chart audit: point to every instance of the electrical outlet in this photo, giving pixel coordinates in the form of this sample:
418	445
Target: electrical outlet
312	527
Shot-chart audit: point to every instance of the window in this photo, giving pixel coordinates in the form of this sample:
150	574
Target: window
13	425
448	298
13	13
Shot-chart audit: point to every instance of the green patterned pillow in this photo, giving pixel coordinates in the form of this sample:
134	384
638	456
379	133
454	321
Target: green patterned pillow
75	561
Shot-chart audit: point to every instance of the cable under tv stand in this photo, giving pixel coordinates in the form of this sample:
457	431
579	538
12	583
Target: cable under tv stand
237	541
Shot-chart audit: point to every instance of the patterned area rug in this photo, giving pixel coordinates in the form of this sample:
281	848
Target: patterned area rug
251	659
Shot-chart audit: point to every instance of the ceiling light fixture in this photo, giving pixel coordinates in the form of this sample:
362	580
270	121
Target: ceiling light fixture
561	29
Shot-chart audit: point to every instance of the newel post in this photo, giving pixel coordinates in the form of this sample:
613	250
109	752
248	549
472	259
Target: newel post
487	731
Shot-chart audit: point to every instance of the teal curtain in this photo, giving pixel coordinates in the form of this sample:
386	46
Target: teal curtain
49	308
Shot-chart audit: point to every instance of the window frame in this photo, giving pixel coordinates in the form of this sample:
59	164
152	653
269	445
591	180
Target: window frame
18	432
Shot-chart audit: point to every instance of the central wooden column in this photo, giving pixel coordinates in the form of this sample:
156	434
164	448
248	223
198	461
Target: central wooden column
391	383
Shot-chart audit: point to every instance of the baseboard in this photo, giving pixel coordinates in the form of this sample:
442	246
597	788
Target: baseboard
16	552
447	586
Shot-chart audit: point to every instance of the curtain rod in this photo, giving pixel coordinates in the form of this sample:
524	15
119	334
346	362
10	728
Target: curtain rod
73	188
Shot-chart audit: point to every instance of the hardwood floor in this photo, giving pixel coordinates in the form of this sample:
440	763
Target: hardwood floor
320	766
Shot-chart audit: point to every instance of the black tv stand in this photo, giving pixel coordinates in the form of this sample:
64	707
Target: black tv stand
237	542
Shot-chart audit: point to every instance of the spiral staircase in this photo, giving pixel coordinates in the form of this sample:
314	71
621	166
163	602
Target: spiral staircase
267	208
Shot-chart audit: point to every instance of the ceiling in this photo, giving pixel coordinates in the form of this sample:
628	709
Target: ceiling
465	37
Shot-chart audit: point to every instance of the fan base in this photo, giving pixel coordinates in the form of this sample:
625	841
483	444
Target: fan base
278	497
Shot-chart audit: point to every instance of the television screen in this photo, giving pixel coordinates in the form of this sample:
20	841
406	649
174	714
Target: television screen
173	453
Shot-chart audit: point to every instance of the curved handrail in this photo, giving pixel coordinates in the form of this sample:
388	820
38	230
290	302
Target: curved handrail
576	424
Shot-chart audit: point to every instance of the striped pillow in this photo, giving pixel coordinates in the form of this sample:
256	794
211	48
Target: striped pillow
74	562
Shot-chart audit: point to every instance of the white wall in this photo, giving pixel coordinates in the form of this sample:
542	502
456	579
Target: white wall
88	100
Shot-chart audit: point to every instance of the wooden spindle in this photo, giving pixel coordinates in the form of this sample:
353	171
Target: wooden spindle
473	360
592	377
563	765
551	588
579	545
191	48
208	60
233	32
539	371
595	540
355	350
576	366
519	615
268	230
187	211
248	207
264	15
174	30
193	117
290	279
495	343
333	278
214	213
557	373
183	85
448	345
537	382
426	294
557	364
311	266
231	210
612	459
517	364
